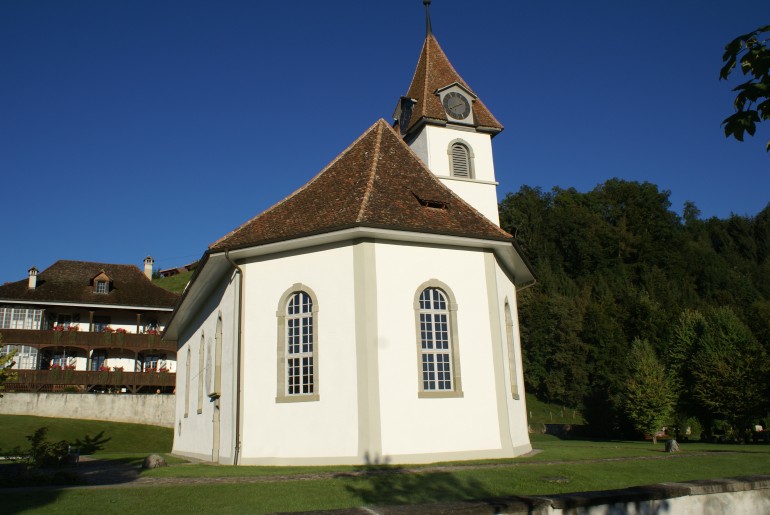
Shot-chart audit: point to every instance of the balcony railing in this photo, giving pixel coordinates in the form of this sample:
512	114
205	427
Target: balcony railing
86	340
88	381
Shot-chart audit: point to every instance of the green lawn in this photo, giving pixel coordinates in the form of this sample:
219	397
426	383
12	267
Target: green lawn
578	467
102	437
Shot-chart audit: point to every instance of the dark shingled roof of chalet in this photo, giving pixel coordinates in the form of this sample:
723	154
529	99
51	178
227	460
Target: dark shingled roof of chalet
71	282
434	71
376	182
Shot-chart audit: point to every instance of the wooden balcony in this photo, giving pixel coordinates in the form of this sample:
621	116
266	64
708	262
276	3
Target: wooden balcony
87	381
41	339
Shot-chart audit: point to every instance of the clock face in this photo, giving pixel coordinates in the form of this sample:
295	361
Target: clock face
456	105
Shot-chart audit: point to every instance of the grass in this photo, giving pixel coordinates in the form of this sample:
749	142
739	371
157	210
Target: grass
539	413
580	465
175	283
527	477
103	437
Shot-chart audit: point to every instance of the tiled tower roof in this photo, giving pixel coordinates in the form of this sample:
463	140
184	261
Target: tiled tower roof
434	71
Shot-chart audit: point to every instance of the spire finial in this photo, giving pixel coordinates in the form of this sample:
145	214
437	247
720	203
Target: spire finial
428	30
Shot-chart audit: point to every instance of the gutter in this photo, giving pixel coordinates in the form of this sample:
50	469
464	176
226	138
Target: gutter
238	336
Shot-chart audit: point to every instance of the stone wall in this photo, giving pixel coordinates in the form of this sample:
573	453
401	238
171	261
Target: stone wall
155	410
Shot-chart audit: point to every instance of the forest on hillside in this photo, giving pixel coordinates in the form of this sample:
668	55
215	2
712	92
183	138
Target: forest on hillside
639	312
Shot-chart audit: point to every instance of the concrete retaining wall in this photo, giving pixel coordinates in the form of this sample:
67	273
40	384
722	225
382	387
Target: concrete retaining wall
155	410
738	495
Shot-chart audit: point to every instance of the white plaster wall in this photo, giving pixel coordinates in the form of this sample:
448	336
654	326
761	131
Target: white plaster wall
193	433
411	425
517	408
315	429
482	196
432	145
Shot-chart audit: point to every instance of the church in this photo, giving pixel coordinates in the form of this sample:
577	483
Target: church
370	316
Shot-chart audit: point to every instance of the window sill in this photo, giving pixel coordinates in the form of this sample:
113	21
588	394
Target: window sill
297	398
439	395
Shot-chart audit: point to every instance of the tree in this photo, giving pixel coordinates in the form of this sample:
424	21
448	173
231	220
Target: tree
649	395
6	362
729	370
752	103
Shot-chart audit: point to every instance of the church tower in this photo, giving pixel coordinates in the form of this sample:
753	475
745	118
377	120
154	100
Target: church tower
448	126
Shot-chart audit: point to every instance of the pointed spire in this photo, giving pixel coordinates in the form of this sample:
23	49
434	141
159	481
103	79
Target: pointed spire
428	30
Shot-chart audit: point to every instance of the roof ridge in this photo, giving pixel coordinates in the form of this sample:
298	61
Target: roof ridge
372	169
297	191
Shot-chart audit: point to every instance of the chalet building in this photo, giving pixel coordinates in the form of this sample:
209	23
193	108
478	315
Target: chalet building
81	325
371	316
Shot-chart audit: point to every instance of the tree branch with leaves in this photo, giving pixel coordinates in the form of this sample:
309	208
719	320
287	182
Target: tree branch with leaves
749	52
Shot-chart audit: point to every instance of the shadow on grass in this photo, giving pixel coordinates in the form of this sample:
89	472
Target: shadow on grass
89	445
378	483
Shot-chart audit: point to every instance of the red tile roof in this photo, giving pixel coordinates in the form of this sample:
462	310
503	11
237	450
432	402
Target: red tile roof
434	71
377	182
71	282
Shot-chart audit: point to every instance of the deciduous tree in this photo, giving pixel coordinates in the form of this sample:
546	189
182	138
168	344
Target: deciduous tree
752	103
649	396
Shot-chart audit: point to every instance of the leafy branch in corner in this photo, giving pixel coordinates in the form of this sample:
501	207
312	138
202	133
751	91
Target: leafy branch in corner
752	103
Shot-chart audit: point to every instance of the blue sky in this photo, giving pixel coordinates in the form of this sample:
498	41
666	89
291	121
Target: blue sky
137	127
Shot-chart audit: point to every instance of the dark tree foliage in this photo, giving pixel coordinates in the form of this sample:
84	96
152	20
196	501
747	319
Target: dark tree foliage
752	103
616	264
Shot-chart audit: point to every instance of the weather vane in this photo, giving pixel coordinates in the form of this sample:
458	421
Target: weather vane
428	30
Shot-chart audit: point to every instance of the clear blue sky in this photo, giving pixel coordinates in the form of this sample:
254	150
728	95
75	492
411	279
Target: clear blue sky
137	127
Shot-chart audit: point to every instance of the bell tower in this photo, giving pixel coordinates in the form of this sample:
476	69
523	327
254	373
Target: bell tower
449	128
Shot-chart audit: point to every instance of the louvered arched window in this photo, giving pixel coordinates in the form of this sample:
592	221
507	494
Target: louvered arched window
461	159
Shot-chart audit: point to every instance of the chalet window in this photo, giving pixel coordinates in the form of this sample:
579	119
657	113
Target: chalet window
102	287
26	358
152	362
101	323
298	346
97	359
439	364
15	317
67	320
460	160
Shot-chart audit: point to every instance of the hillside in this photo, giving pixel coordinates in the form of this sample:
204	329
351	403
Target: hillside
175	283
617	264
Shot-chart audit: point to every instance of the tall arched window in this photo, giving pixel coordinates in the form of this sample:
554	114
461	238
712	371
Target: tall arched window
201	356
511	351
437	342
460	159
297	346
187	383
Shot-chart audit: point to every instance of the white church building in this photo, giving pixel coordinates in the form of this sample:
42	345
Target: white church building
371	316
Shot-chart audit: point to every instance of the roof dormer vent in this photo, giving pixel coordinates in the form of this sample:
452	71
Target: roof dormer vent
433	204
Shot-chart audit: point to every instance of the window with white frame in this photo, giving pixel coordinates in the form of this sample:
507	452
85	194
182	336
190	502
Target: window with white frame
26	358
19	317
439	364
101	287
460	159
297	346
